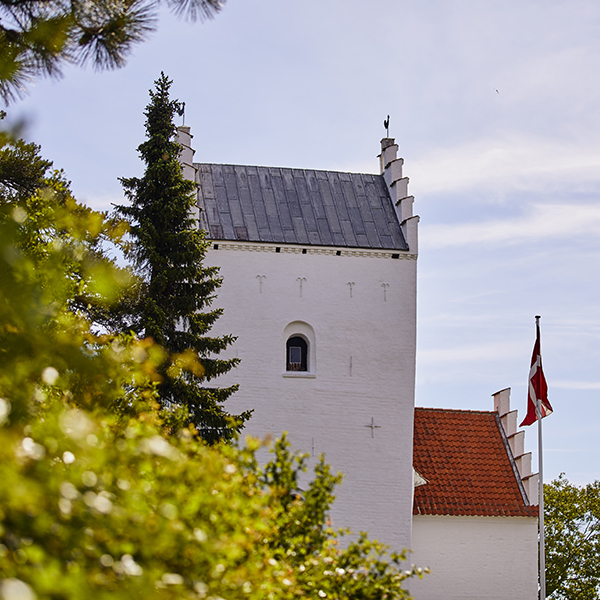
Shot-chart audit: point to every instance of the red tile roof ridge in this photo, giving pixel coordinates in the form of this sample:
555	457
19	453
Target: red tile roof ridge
456	410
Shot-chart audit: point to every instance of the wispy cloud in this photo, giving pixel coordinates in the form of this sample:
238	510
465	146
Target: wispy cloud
541	221
513	161
469	353
576	385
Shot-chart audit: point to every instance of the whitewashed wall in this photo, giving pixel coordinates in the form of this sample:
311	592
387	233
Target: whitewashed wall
475	558
364	367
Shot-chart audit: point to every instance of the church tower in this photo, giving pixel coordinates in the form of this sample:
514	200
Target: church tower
319	285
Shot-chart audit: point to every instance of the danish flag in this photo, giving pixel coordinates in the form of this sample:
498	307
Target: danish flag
538	389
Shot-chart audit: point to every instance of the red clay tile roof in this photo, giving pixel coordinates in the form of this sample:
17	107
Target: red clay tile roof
462	456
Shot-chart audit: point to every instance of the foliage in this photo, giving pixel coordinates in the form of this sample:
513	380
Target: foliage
168	251
38	37
572	527
22	170
91	508
49	214
52	272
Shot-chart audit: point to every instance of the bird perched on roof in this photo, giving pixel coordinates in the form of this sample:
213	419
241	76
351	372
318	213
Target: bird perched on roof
386	124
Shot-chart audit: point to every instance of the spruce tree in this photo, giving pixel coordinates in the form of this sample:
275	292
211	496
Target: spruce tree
168	251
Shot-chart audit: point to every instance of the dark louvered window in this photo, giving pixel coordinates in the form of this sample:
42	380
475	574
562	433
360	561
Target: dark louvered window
297	354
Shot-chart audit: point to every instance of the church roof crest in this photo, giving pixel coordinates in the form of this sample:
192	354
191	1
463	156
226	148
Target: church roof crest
297	206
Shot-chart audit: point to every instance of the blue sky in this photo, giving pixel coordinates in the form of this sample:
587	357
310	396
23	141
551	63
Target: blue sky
495	108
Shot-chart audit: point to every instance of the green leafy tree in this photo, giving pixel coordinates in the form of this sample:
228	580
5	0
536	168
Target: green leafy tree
51	273
22	169
89	508
29	185
168	251
572	526
38	37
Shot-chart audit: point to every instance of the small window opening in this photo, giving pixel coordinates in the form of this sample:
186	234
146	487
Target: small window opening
216	246
338	253
297	354
303	250
277	249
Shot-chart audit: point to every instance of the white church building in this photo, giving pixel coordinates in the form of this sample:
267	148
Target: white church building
319	284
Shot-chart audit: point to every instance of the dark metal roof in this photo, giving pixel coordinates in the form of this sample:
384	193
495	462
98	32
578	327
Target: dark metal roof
297	206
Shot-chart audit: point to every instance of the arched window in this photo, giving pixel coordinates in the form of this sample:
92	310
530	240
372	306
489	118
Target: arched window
299	350
297	354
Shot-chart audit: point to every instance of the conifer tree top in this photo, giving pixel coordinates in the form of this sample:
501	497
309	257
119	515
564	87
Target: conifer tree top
168	251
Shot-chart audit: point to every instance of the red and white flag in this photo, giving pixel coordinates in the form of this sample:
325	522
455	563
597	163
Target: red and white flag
538	389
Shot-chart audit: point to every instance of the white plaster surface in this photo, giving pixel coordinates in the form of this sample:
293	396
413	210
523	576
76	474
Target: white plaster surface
517	443
475	558
362	362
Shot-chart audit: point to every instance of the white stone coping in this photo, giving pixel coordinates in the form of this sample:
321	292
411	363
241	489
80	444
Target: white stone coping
299	249
299	374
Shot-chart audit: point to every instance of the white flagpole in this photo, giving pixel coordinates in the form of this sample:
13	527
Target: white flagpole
541	508
541	486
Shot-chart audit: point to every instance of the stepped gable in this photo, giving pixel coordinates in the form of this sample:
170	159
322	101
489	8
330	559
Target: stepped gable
464	459
297	206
